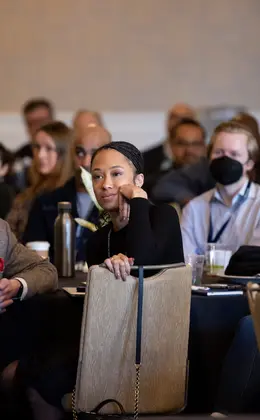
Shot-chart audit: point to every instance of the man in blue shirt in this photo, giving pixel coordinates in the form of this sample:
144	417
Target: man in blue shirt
229	214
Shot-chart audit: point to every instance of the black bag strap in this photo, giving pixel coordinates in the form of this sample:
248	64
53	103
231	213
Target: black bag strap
236	206
139	316
138	348
108	401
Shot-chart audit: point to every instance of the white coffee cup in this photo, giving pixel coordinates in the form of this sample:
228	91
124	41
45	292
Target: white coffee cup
40	247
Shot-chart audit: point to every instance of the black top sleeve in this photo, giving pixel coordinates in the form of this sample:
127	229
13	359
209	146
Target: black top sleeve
153	234
96	248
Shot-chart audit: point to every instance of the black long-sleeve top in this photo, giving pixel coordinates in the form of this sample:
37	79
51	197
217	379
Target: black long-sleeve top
152	236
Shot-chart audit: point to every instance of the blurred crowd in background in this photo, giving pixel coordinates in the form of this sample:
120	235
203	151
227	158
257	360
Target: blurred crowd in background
177	168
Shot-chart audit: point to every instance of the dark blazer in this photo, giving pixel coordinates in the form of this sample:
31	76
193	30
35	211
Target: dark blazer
184	184
24	151
21	179
7	195
40	226
153	158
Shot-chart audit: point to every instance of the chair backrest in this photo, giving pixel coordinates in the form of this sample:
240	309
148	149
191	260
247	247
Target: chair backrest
106	366
253	294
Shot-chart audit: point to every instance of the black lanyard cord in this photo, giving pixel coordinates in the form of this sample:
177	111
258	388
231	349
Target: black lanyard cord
240	201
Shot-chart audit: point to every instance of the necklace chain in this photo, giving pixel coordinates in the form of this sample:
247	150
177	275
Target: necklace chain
108	243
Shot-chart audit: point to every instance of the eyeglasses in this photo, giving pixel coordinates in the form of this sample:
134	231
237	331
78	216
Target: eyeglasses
193	144
37	122
81	152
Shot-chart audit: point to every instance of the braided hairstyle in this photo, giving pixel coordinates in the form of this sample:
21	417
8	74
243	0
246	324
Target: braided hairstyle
132	154
128	150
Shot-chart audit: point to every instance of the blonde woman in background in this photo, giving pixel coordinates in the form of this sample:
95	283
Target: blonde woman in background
51	168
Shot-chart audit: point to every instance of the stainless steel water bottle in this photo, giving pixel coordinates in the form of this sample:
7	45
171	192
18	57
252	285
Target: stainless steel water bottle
64	241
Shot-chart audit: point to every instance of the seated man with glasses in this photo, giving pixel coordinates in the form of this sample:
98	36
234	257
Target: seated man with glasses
187	142
187	145
157	158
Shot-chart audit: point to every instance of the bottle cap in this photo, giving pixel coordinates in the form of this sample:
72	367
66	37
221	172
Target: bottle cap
64	205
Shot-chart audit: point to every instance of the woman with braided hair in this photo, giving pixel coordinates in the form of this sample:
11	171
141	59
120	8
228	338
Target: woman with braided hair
138	232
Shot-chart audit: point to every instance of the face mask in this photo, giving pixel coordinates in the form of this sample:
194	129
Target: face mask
225	170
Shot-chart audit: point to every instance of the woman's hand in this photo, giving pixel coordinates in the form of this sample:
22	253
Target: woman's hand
126	193
130	191
120	265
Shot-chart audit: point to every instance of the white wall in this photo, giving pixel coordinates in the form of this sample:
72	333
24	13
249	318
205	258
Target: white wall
128	59
142	129
130	55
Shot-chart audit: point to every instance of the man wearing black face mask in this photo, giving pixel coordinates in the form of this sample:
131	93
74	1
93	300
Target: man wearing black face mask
230	213
40	225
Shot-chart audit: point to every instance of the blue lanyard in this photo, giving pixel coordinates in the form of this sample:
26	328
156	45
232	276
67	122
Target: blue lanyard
240	201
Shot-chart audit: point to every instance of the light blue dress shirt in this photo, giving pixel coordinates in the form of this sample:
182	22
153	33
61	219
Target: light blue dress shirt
242	229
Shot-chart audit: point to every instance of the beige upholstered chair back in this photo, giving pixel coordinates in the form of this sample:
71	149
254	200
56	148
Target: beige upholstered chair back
106	366
253	293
